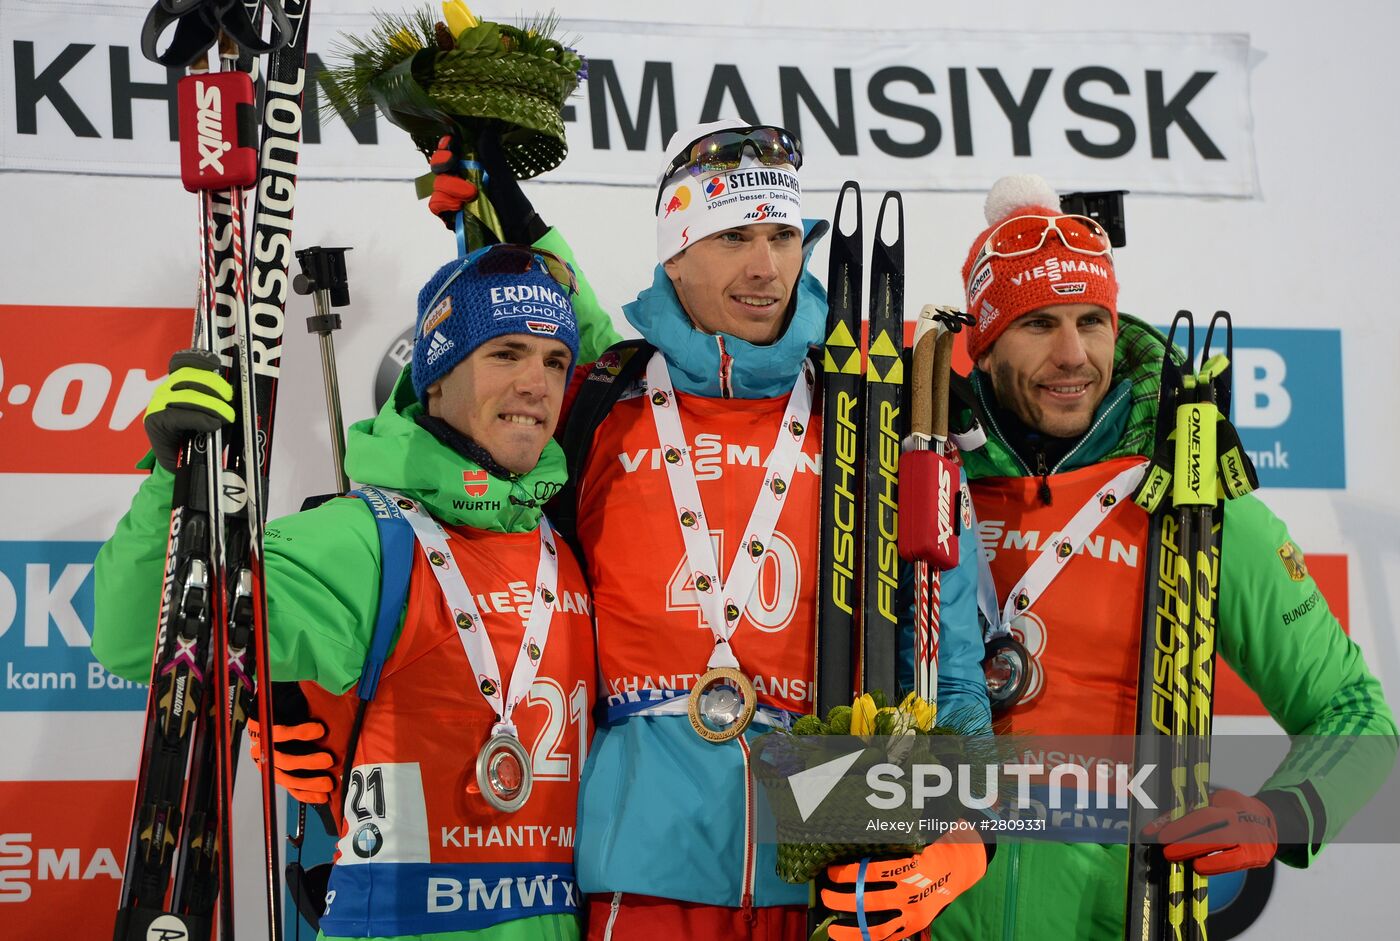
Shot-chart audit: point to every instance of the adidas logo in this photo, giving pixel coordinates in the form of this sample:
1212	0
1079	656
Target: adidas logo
439	345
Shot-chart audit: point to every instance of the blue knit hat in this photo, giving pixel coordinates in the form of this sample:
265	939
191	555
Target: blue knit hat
481	297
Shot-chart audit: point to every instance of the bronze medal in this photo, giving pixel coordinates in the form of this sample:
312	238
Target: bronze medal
722	704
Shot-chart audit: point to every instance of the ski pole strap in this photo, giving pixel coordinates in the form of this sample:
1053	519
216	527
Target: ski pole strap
197	26
860	899
396	542
1237	475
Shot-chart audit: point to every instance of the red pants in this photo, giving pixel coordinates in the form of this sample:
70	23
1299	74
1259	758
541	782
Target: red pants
623	917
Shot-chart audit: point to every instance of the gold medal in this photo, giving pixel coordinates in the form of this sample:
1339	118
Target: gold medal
503	773
722	704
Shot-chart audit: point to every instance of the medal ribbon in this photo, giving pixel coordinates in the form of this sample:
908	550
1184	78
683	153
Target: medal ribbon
723	602
1059	549
471	629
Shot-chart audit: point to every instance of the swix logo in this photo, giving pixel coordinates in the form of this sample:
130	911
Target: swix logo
1056	268
209	120
710	455
475	483
995	537
946	489
74	382
22	864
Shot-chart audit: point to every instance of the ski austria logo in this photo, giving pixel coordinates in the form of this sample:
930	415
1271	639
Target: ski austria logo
46	613
765	211
1287	405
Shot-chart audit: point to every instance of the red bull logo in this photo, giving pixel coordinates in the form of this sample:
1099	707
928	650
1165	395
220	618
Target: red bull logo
679	201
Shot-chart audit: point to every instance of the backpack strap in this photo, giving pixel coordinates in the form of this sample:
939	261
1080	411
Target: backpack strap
614	372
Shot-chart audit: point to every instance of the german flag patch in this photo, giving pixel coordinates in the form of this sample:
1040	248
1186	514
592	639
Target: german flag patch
1292	558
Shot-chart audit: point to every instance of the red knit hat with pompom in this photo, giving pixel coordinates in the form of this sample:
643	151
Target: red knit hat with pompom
1002	289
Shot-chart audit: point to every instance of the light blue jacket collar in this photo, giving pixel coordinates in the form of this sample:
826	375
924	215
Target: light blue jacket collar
753	372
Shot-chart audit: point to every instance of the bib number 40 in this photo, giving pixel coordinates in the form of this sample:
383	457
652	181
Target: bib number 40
774	601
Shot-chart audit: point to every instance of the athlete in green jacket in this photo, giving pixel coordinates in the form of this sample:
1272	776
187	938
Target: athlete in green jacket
1065	389
467	434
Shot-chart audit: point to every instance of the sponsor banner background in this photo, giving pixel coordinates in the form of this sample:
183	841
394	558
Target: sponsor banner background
1316	155
932	109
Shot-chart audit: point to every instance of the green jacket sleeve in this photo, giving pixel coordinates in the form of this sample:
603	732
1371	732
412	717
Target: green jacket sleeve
595	326
321	570
1277	632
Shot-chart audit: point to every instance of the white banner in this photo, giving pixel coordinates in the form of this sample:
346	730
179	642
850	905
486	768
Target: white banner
928	110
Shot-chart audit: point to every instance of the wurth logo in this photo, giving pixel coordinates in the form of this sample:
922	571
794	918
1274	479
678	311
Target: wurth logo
209	121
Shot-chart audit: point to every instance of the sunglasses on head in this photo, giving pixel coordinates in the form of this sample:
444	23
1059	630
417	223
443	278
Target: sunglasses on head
506	258
1022	235
724	150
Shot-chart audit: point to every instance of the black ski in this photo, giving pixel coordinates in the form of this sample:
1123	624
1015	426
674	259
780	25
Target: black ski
884	383
212	633
839	568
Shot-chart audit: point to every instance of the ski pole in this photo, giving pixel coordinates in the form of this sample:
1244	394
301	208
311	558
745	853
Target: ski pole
323	277
929	486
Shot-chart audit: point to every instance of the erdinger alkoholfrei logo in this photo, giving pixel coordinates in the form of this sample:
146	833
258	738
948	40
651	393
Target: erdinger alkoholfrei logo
437	558
777	485
547	595
660	399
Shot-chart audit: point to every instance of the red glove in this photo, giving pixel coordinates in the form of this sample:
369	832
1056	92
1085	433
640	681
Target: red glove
451	193
903	896
1235	832
296	771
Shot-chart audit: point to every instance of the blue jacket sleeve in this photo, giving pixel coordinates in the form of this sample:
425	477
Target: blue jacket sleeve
962	688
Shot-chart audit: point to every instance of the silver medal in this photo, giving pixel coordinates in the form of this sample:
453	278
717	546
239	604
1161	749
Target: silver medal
503	773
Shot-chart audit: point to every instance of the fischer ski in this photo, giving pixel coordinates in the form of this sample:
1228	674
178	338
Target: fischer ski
884	384
840	559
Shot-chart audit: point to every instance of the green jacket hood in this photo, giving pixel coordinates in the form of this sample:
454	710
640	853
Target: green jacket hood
1123	424
393	451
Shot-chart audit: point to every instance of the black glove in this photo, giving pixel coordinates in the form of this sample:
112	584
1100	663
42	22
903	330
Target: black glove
519	221
193	399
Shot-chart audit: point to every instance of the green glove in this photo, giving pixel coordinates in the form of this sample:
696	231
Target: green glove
193	399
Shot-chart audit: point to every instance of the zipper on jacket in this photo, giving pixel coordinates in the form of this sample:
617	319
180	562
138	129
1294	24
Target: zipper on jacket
1092	428
1006	443
1043	491
1013	891
750	851
726	369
